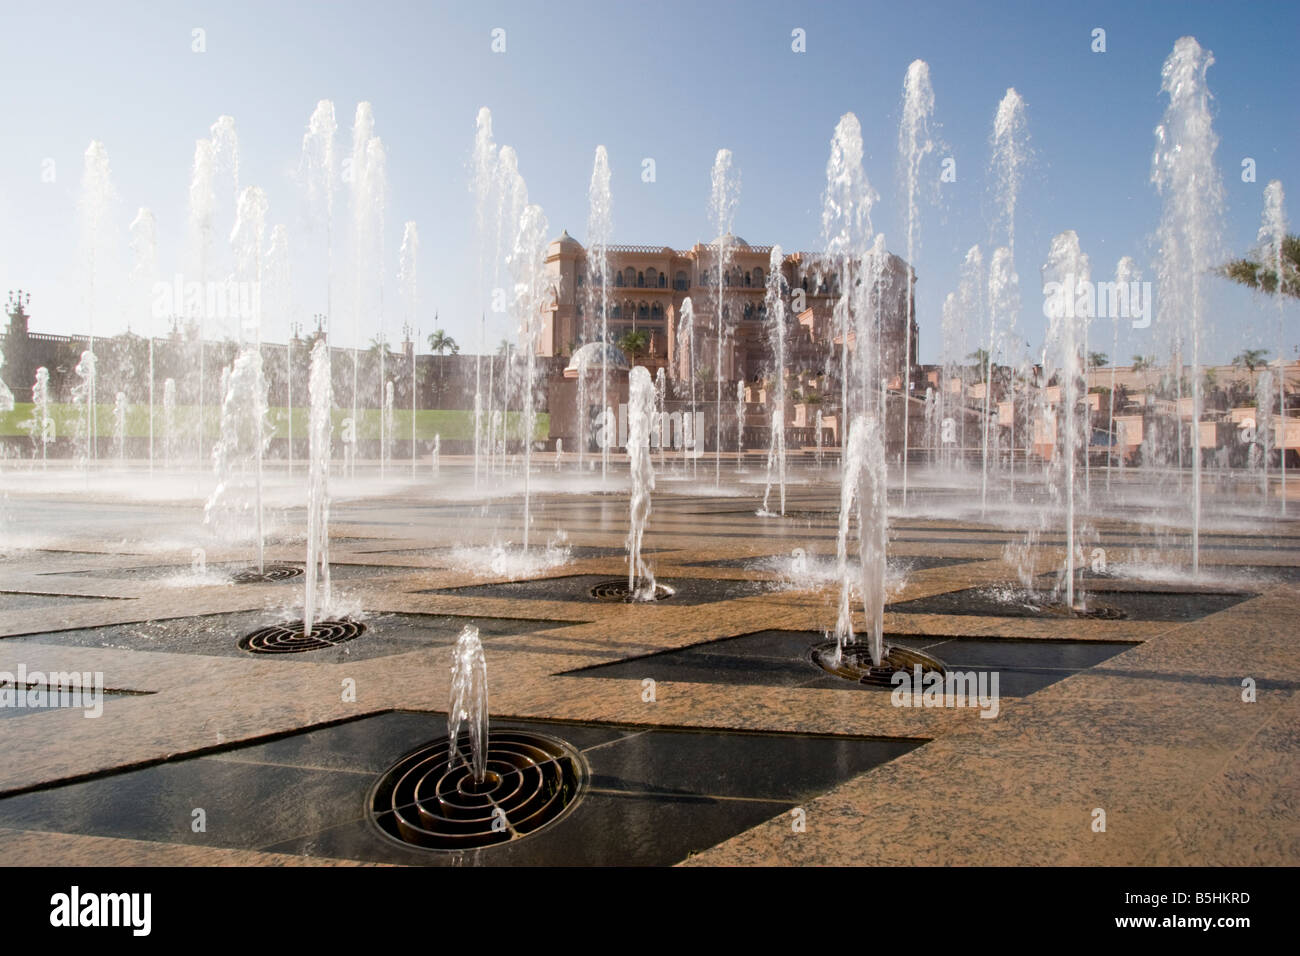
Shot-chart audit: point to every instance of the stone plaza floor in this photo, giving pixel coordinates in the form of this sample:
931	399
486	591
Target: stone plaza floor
707	733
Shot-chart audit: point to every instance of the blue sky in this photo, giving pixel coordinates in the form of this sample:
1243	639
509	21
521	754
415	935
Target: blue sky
673	81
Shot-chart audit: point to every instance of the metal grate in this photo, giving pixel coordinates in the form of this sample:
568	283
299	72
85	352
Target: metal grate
854	663
429	798
619	591
271	572
288	638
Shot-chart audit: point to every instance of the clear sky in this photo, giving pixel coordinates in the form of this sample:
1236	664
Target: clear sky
673	81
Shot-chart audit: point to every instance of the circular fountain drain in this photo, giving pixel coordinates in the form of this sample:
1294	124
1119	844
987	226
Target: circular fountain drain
288	638
271	572
1096	612
430	800
822	516
855	662
619	591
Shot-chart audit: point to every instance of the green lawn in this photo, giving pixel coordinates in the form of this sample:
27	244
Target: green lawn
451	424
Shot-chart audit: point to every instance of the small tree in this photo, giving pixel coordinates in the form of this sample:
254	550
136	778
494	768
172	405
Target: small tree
635	344
440	343
1262	276
1251	359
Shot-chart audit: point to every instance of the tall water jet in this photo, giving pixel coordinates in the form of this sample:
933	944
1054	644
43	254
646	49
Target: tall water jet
863	493
482	183
512	199
1009	160
202	207
97	197
1264	424
236	457
169	421
321	391
319	167
1272	236
144	274
469	701
914	144
661	414
408	259
83	397
686	346
740	423
436	456
1184	172
1125	273
776	401
533	289
846	230
1065	276
600	226
6	396
43	424
369	198
386	427
968	314
819	439
214	158
581	412
723	197
640	411
1004	300
119	428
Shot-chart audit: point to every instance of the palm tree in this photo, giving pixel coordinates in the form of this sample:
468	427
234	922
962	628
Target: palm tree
1251	359
440	343
635	344
1097	359
1263	276
1143	364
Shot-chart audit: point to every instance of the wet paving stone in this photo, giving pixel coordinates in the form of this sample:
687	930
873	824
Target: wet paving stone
654	796
35	600
783	659
577	587
1145	604
217	635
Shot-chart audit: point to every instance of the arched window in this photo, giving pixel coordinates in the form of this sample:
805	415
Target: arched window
758	276
749	310
681	282
640	280
642	312
616	312
651	278
629	276
618	280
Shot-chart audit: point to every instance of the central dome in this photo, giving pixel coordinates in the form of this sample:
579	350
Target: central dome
595	354
730	239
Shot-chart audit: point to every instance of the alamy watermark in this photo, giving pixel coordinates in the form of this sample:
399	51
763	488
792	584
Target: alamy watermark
918	688
226	299
1099	300
36	690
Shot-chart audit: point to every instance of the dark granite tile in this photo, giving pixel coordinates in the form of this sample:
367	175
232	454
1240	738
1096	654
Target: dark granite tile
688	591
1148	604
35	600
217	635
